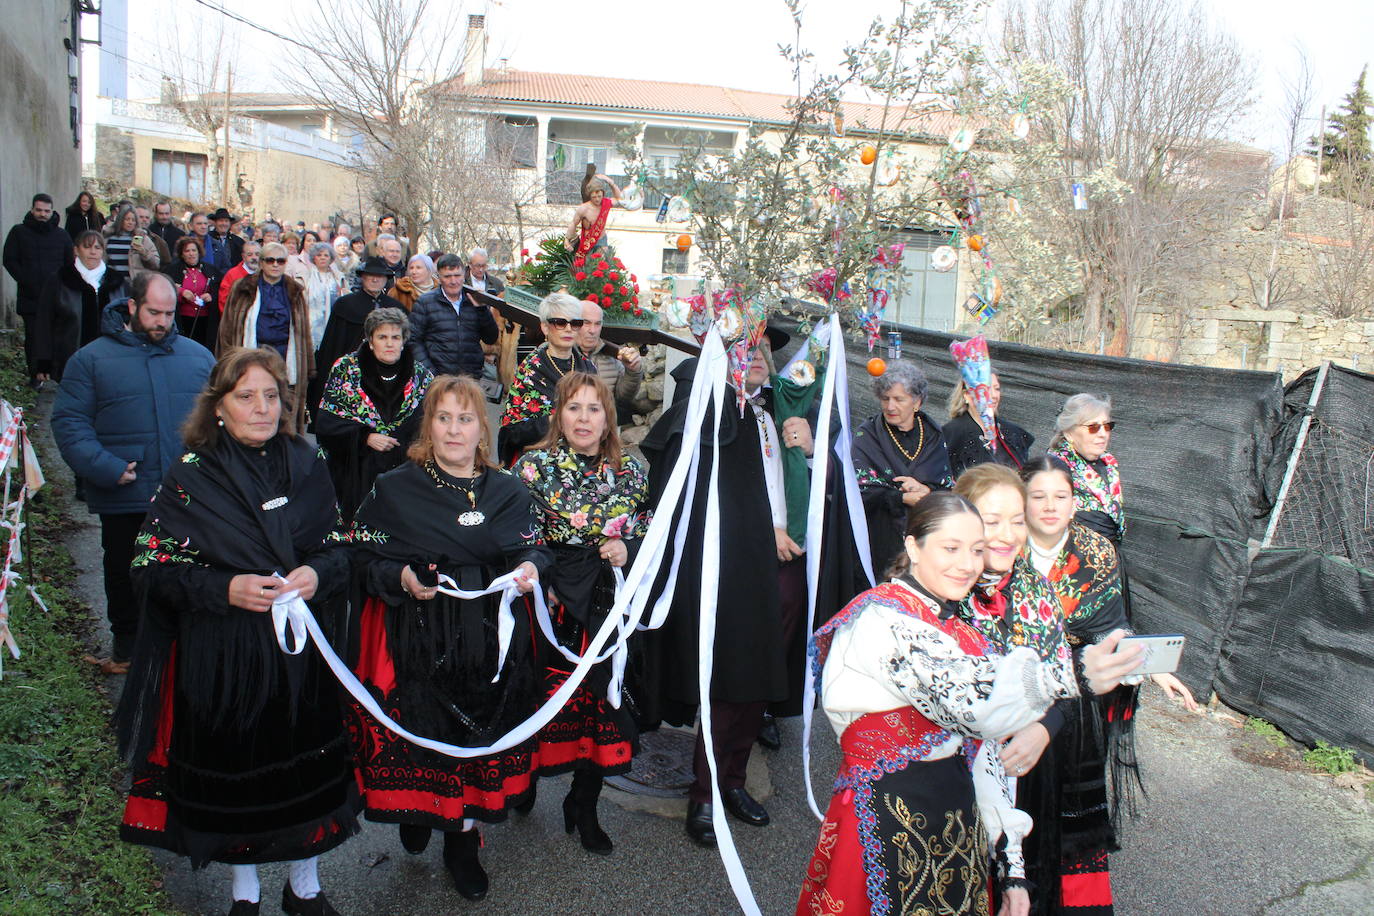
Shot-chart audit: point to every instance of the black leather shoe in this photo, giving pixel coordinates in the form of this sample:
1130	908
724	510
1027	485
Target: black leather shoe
584	821
460	855
743	806
769	736
414	838
699	826
315	906
244	908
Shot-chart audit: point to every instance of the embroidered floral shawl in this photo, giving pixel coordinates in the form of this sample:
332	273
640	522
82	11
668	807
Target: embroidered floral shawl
1093	491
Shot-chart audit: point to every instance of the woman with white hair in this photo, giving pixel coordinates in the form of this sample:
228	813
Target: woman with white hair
1082	434
900	456
323	284
530	399
420	278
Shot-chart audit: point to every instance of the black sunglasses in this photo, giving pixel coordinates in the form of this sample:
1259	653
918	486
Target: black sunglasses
272	260
1095	428
565	322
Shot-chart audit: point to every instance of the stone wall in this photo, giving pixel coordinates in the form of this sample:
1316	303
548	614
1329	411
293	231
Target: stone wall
37	147
1221	323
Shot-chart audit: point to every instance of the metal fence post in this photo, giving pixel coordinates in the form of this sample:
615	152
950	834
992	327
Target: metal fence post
1297	454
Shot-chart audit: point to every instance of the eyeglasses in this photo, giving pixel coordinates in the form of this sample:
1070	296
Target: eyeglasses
566	322
1095	428
272	260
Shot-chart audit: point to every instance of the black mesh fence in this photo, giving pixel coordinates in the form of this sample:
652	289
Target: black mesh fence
1192	443
1300	651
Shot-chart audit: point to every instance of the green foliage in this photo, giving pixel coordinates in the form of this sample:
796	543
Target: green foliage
1330	758
551	266
1345	146
1267	731
60	796
793	197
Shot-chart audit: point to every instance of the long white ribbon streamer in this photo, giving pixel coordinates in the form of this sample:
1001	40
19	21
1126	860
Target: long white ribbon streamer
835	387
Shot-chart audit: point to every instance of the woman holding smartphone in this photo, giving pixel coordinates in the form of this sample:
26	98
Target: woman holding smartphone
1067	791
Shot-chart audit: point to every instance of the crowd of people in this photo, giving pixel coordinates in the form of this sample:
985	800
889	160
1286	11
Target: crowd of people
983	704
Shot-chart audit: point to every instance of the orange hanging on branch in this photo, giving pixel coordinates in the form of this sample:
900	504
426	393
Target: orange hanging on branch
877	366
868	153
975	243
684	242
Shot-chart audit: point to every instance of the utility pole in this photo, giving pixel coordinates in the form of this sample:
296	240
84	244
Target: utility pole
228	91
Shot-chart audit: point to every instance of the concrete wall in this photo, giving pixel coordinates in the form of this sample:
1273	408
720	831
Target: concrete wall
37	151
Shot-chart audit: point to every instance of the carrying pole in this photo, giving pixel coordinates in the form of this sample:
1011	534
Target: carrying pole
1297	454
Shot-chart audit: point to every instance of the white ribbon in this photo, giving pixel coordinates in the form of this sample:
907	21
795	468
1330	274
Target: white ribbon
835	387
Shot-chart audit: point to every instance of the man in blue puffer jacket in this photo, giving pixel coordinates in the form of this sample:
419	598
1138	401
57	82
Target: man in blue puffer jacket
117	421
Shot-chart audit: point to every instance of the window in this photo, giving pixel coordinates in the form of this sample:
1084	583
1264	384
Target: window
928	297
179	174
512	140
567	163
674	261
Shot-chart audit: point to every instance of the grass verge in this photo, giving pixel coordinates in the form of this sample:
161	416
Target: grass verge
60	798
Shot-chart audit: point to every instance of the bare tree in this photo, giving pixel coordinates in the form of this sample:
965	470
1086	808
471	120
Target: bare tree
1157	89
392	70
1297	91
195	82
1343	266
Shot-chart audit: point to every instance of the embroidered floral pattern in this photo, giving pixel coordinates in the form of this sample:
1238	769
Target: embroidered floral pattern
531	391
1085	575
583	500
153	546
1092	492
344	396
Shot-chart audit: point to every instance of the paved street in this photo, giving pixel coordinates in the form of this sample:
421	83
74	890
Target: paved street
1231	827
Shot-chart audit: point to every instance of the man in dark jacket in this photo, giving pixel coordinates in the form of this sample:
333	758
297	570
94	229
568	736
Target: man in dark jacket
476	276
223	248
163	227
117	421
34	250
447	329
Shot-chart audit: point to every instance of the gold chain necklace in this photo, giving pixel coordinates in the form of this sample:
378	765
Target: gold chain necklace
467	519
553	361
920	442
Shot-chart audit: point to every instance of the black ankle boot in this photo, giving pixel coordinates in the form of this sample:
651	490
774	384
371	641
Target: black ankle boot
460	856
414	837
526	806
579	810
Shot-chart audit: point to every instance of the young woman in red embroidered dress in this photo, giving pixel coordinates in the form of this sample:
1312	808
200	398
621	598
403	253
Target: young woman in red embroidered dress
919	705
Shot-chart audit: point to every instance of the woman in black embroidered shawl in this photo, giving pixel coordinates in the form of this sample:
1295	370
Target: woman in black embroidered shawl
968	440
238	749
429	659
371	408
899	457
592	499
1068	791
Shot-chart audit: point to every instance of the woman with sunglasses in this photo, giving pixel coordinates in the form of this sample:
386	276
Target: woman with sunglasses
1082	433
530	399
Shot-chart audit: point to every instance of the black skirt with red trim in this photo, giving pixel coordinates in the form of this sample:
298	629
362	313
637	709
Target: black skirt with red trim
280	788
588	733
430	668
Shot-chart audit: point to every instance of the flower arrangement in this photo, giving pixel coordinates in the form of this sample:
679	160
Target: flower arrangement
599	277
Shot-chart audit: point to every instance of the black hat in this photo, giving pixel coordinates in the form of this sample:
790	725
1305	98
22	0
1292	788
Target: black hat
777	337
221	213
376	267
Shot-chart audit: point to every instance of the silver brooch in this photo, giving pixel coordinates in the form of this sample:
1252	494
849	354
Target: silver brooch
470	519
275	503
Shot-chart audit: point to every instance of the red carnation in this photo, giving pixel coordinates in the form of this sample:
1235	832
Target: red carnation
639	313
593	300
608	288
624	291
598	273
624	306
524	251
578	262
580	275
633	278
614	276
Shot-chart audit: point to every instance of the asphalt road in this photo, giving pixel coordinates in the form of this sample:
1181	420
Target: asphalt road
1231	826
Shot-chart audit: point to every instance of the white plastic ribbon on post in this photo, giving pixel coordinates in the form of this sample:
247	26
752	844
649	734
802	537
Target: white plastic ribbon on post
834	388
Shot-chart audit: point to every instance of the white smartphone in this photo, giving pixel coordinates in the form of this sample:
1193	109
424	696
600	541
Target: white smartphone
1162	653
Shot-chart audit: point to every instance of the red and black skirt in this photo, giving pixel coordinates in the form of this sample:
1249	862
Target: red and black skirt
430	666
902	833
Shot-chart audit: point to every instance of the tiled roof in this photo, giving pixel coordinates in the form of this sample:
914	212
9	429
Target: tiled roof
688	99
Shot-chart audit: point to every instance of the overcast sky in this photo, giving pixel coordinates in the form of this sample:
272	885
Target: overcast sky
734	42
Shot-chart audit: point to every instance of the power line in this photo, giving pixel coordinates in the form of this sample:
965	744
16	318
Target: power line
253	25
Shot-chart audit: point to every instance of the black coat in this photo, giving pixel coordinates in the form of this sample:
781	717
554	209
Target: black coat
750	657
168	232
69	316
34	252
78	222
964	437
449	341
343	334
235	252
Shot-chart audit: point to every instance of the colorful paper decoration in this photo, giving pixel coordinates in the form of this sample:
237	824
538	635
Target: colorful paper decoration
943	259
971	356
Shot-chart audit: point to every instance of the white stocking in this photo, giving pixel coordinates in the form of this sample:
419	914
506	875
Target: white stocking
246	885
305	877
